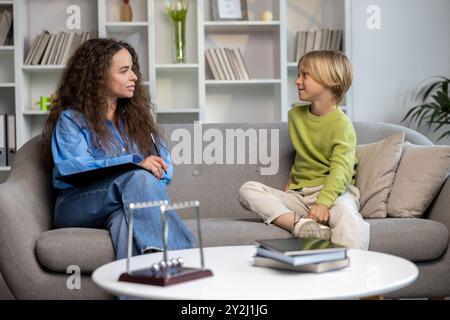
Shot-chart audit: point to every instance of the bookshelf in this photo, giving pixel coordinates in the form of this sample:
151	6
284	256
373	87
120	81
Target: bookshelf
182	93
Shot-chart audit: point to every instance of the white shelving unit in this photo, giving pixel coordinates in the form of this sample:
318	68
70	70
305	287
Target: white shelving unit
182	93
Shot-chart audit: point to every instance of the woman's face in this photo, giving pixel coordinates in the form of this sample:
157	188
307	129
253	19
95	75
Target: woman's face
121	80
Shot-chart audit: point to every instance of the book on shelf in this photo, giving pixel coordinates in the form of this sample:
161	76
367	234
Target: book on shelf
226	64
218	64
323	39
241	62
37	57
312	267
222	63
6	23
10	138
298	251
56	48
2	140
212	65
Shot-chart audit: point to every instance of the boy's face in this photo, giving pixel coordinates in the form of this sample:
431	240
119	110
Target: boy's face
308	89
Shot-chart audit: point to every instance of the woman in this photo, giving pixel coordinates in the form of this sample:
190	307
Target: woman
100	116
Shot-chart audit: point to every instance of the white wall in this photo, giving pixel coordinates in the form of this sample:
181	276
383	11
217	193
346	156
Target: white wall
412	45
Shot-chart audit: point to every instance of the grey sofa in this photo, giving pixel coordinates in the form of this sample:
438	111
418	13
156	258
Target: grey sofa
34	257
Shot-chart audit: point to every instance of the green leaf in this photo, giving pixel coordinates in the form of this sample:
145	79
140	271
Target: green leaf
445	134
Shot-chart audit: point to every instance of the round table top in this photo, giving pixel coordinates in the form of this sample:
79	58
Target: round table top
369	274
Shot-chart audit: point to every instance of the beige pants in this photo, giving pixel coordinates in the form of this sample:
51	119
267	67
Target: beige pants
347	226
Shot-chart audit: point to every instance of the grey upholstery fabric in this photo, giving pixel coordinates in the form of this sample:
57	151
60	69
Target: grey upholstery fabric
413	239
58	249
33	257
410	238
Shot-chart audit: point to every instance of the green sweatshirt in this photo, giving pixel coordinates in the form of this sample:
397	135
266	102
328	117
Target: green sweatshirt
325	152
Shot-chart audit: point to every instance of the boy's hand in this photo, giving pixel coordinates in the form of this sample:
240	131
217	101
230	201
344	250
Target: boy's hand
319	213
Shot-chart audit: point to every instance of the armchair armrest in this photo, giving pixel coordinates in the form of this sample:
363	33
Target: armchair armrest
439	210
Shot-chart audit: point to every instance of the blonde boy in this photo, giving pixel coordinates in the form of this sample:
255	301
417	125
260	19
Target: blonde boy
320	198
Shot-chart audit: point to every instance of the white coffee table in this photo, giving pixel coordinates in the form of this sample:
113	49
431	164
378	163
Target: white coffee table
370	274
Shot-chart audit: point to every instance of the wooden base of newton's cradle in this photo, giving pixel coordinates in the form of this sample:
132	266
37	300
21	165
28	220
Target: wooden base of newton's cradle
172	276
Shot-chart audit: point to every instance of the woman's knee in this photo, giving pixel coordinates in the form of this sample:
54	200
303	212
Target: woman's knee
142	179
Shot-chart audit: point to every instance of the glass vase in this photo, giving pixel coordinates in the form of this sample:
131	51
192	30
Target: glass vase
179	37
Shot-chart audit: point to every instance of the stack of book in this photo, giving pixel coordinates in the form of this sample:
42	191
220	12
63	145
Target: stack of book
301	254
324	39
55	48
227	64
6	28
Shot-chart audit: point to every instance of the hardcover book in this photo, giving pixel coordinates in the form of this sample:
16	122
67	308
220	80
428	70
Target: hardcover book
300	246
312	267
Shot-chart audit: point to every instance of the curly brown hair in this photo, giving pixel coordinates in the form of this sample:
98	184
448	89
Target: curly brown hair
82	88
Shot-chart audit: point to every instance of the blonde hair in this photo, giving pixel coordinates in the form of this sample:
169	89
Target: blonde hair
332	69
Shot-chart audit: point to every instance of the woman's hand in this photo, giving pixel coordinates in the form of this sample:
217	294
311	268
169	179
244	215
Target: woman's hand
319	213
155	164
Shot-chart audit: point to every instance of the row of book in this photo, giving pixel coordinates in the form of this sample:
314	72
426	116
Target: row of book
6	28
301	254
324	39
55	48
227	64
7	139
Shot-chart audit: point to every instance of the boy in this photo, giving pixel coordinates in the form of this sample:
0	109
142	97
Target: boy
320	193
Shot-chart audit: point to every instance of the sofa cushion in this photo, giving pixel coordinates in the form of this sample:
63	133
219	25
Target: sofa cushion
421	172
87	248
375	173
230	232
413	239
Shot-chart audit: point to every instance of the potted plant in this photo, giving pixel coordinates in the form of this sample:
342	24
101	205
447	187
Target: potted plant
434	109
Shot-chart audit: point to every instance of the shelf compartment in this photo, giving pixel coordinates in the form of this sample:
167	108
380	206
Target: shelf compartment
175	66
43	68
125	26
138	7
6	67
7	98
177	87
35	113
164	37
241	82
241	26
242	104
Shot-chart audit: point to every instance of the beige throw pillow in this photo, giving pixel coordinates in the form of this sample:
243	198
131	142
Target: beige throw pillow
420	175
375	173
